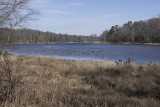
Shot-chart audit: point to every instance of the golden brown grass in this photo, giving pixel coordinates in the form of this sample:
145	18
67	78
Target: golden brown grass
50	82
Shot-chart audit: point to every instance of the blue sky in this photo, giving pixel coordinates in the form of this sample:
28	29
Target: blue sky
85	17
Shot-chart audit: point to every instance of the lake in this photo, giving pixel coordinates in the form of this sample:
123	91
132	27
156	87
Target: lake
89	51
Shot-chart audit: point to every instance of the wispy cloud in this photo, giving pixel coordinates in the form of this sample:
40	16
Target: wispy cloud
50	8
76	4
113	15
56	11
41	3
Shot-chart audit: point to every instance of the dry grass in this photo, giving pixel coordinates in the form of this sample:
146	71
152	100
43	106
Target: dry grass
50	82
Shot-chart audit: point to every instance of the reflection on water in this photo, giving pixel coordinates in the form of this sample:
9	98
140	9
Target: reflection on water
88	51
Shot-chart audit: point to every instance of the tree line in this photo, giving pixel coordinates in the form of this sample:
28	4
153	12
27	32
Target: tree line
147	31
35	36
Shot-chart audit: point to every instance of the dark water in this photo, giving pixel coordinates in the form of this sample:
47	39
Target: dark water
87	51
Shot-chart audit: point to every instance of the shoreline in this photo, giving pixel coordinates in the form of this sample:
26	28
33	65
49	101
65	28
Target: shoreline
129	61
45	43
122	43
129	43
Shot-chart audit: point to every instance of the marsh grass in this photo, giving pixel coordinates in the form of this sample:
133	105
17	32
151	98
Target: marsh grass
51	82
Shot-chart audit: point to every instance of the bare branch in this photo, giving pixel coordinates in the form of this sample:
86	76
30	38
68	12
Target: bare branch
12	14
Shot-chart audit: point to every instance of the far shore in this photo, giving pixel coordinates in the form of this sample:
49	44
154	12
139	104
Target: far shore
127	43
45	43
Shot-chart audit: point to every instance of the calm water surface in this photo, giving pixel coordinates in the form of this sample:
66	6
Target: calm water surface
88	51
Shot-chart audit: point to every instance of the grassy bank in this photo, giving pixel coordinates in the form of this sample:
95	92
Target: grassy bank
49	82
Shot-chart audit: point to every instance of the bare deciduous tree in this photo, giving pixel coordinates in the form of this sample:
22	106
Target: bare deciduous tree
14	13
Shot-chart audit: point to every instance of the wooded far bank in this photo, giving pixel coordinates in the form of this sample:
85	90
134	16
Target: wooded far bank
147	31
